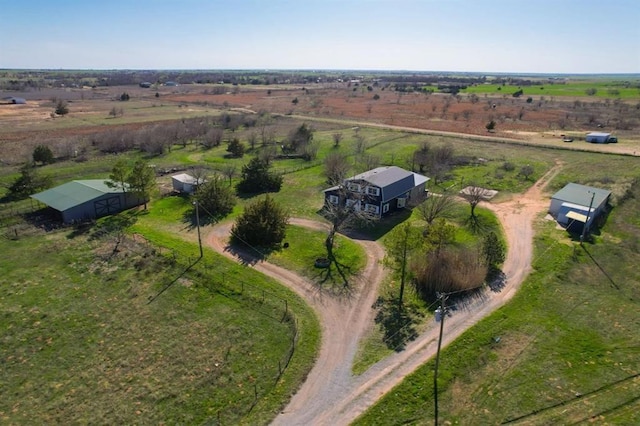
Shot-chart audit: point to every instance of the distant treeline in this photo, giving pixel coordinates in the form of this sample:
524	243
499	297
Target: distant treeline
24	80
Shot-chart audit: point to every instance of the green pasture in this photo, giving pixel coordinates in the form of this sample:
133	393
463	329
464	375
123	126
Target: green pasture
95	334
574	88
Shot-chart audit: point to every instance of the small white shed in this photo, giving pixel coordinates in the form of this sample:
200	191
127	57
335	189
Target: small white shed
185	183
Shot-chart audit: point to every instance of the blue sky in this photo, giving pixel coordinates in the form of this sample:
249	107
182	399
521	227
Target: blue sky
524	36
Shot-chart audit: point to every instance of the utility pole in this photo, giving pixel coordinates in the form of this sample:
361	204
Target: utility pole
443	313
198	226
584	228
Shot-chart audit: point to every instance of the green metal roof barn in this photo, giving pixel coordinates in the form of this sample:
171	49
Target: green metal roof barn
578	203
87	199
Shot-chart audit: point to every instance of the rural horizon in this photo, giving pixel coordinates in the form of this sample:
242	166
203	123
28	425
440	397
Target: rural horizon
343	70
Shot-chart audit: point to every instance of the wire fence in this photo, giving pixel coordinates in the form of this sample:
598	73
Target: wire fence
226	283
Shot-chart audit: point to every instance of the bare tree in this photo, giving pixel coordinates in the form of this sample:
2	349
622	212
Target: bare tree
213	137
361	144
337	138
229	171
474	194
526	171
370	161
437	205
336	167
200	175
421	157
253	140
343	214
267	154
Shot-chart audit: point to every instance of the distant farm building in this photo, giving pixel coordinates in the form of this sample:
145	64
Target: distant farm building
87	199
570	206
599	137
14	100
185	183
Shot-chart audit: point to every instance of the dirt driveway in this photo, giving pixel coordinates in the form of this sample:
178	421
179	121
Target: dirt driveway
331	395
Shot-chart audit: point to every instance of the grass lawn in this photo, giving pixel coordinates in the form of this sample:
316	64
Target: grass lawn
306	245
568	348
90	335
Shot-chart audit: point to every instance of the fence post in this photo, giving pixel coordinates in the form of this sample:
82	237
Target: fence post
286	310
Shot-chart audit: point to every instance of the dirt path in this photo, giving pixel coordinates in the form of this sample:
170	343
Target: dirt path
344	320
331	395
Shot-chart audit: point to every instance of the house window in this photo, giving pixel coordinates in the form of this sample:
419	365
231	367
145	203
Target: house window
354	203
372	208
385	207
333	199
402	202
354	187
372	190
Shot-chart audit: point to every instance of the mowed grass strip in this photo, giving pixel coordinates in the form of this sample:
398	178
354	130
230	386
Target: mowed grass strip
571	331
81	343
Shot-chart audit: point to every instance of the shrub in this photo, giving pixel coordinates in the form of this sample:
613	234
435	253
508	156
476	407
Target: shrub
216	198
42	154
262	224
256	178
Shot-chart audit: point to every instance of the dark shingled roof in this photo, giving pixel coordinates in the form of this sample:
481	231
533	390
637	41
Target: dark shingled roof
393	180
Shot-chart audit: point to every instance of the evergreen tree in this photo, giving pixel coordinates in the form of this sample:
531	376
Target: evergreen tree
62	108
141	180
216	198
256	178
262	224
42	154
29	182
493	251
236	148
119	175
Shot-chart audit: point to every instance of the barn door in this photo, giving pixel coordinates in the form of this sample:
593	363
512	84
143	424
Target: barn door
107	206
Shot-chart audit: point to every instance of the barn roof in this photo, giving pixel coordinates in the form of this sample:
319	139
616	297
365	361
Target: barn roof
186	178
581	194
74	193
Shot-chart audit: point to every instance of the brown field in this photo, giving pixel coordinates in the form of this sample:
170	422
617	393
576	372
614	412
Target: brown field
542	121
